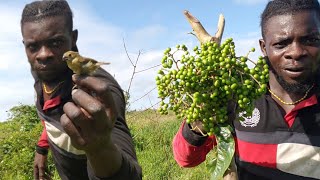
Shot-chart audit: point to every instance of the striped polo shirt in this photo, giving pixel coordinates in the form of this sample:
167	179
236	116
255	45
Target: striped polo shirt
70	162
279	145
270	144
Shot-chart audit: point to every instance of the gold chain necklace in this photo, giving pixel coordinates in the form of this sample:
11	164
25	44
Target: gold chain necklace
54	89
292	103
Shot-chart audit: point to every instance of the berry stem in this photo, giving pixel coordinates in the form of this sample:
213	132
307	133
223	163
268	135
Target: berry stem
250	76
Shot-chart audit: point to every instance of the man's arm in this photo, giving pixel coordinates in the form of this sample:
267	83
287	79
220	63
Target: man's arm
122	139
95	123
40	170
189	148
43	145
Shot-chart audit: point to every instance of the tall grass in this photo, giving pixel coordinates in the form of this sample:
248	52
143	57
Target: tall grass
153	134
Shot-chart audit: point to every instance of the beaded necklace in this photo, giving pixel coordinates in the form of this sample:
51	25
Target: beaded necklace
54	89
292	103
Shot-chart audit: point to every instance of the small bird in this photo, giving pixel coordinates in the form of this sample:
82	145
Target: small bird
81	65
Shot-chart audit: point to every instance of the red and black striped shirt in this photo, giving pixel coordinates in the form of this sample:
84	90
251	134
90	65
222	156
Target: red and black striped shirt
70	162
271	144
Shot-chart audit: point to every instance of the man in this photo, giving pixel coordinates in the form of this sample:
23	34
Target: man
284	140
85	128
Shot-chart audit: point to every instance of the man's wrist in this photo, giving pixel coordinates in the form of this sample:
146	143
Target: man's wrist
41	150
100	161
191	137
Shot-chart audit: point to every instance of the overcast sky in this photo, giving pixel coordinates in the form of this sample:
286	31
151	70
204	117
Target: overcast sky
144	25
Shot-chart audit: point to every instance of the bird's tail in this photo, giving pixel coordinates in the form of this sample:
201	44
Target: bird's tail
102	63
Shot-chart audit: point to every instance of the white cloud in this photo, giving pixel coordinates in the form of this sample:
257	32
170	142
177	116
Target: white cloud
243	46
244	43
14	93
145	36
10	38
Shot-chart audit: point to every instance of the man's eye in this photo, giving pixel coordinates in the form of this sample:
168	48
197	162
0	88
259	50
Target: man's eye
32	47
312	41
282	43
56	43
279	45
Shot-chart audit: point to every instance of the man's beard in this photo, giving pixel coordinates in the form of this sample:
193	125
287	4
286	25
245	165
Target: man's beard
296	88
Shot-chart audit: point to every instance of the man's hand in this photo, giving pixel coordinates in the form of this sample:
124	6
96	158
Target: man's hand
197	126
40	171
89	121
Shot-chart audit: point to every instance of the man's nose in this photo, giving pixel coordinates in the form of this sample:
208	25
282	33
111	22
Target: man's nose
296	51
44	53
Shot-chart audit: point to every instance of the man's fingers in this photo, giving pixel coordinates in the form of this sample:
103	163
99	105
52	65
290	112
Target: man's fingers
91	105
96	86
36	173
72	130
78	116
92	83
42	172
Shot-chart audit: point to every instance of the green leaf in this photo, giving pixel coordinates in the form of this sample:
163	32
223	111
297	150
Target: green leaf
211	164
224	153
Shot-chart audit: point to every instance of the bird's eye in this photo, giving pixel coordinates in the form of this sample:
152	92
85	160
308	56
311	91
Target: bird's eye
69	55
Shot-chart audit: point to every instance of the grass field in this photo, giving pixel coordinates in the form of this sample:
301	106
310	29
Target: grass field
152	134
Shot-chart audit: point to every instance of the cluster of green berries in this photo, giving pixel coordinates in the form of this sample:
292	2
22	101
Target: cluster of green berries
202	84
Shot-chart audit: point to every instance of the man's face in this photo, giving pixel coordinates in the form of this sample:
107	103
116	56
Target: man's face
292	45
45	42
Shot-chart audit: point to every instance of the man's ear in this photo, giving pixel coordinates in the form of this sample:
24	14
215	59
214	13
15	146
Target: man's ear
74	37
263	47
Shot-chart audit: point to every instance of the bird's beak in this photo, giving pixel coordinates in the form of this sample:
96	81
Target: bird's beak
64	58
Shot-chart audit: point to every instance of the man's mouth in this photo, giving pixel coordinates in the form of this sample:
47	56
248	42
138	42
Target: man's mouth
44	68
294	71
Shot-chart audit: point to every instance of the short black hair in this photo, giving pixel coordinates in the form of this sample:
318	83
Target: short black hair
38	10
281	7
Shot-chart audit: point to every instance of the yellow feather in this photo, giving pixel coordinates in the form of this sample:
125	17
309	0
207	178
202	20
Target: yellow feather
81	65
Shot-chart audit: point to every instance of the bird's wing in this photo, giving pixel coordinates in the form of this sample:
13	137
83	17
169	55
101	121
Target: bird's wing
75	60
85	60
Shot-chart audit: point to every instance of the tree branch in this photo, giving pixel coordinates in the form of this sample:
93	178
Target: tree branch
200	32
125	48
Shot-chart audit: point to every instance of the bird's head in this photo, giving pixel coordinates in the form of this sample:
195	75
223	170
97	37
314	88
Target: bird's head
69	55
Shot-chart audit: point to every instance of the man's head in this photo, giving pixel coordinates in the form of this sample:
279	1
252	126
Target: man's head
38	10
291	42
281	7
46	28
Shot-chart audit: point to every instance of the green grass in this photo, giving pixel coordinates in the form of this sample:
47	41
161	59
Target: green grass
152	133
